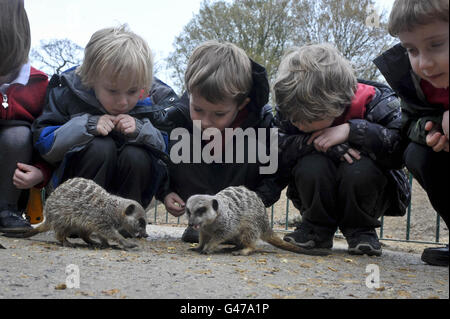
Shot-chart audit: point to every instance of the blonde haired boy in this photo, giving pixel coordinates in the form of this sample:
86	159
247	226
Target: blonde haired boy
417	69
339	135
96	122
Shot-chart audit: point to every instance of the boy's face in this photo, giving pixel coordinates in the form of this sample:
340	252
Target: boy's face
220	115
309	127
116	96
427	47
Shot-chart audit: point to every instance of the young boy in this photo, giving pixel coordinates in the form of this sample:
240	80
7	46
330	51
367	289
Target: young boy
338	142
95	123
417	69
22	91
225	89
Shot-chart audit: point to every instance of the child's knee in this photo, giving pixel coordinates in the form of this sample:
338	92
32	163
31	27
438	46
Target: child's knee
312	167
415	157
361	175
101	149
16	138
135	159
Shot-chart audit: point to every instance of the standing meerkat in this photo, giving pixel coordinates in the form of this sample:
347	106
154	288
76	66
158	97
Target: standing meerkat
234	214
81	207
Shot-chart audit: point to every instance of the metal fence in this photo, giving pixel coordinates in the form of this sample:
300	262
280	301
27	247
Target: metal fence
162	217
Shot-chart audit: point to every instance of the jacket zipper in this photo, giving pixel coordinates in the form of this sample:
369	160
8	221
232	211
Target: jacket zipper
5	101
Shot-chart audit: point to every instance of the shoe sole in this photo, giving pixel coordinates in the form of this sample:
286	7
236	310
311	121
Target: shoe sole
435	259
15	230
308	245
366	249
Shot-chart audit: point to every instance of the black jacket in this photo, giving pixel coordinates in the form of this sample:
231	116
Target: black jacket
187	179
377	136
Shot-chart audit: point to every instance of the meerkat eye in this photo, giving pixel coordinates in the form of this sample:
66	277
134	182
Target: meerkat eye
201	211
142	222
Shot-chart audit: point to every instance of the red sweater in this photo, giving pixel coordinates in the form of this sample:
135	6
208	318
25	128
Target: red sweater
25	103
435	95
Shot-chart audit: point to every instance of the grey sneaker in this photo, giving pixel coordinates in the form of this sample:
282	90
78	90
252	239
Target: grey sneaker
304	236
365	242
13	222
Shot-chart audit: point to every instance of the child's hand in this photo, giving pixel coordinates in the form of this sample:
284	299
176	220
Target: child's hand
445	124
351	155
328	137
174	204
435	138
125	124
105	124
27	176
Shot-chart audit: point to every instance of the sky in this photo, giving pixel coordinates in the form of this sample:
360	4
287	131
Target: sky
157	21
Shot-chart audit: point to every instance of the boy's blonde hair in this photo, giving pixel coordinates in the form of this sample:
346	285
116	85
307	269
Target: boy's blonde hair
314	82
407	14
15	39
219	71
121	52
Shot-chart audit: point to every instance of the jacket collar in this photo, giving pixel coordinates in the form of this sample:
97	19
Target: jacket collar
73	81
394	65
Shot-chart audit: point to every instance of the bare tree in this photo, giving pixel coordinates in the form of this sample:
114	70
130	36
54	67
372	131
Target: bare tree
349	26
266	28
262	28
57	55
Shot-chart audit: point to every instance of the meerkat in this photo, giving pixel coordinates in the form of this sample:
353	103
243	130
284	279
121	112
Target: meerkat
235	214
81	207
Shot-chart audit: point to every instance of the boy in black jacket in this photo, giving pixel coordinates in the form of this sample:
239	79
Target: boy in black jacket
338	142
417	69
225	91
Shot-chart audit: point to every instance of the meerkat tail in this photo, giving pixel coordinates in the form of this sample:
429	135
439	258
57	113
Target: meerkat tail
276	241
39	229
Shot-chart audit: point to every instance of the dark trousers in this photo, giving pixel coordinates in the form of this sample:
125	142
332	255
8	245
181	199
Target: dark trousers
431	170
126	173
16	145
349	196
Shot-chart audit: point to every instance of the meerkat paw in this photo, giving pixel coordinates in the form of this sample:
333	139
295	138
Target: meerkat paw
128	245
196	249
66	243
243	252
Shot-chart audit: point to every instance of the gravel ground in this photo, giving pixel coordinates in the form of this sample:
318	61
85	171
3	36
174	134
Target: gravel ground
165	267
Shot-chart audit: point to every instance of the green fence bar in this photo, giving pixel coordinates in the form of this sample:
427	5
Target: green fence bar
408	216
438	222
287	214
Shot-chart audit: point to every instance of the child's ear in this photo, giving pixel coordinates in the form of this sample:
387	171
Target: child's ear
244	104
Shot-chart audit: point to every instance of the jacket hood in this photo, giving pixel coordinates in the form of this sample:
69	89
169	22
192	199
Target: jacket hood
73	81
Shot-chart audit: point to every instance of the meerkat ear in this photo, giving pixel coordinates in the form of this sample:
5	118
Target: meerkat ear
215	204
129	210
